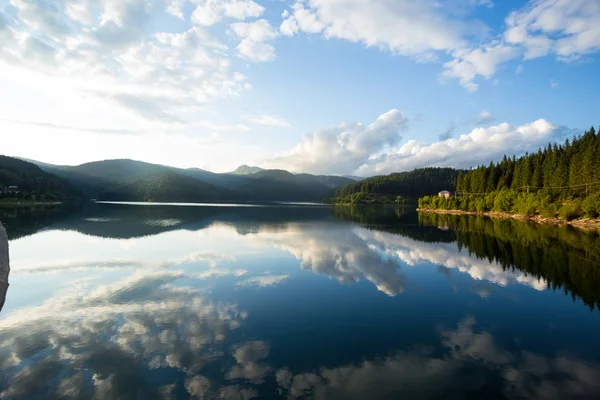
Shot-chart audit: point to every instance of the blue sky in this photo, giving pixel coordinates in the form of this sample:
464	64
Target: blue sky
324	86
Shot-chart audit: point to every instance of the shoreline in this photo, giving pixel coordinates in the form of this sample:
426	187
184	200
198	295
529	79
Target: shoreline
26	203
589	224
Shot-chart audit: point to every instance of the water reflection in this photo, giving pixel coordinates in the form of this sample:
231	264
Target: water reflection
473	365
136	302
4	265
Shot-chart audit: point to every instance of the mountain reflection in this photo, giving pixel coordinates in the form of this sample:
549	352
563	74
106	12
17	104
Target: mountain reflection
163	302
502	252
4	265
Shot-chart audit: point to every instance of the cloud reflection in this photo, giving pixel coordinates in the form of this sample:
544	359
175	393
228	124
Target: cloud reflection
473	365
112	334
351	254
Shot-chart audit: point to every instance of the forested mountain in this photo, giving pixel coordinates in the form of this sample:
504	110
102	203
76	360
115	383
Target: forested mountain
32	182
398	186
134	180
169	187
558	179
280	185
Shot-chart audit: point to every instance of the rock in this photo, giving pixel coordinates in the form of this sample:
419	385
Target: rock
4	265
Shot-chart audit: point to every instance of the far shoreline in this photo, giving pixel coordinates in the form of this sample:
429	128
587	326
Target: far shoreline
588	224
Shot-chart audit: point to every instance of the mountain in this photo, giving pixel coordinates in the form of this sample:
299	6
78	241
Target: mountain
406	185
280	185
135	180
32	182
129	180
246	170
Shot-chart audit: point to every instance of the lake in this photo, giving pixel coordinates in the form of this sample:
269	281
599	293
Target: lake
127	301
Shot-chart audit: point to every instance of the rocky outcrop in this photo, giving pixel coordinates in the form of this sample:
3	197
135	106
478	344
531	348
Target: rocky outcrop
4	265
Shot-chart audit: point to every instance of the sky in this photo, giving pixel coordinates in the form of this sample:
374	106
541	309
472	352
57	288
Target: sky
345	87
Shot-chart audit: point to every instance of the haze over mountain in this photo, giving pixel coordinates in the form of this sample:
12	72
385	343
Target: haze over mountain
246	170
130	180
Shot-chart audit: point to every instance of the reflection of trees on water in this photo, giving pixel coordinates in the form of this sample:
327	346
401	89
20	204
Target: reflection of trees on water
4	265
563	257
566	258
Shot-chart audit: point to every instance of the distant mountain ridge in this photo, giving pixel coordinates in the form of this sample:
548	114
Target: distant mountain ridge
130	180
246	170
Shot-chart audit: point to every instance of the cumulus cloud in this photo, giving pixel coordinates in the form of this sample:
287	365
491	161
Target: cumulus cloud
404	27
209	12
364	150
343	149
468	64
254	35
566	28
428	30
480	146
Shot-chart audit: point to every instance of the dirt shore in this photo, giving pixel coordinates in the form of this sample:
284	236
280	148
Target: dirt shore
590	224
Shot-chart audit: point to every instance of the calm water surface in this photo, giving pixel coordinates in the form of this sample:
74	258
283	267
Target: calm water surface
123	301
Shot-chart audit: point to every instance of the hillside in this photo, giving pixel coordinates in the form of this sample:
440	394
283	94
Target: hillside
398	187
32	182
168	186
280	185
134	180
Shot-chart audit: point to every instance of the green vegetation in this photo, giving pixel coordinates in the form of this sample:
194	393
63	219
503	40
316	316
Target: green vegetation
397	188
129	180
26	183
561	181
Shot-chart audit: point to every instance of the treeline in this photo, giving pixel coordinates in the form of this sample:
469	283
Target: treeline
398	187
561	180
567	259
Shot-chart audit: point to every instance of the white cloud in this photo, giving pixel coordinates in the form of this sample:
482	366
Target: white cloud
209	12
117	57
175	8
519	69
269	120
404	27
567	28
342	149
427	30
254	35
243	9
480	146
483	61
